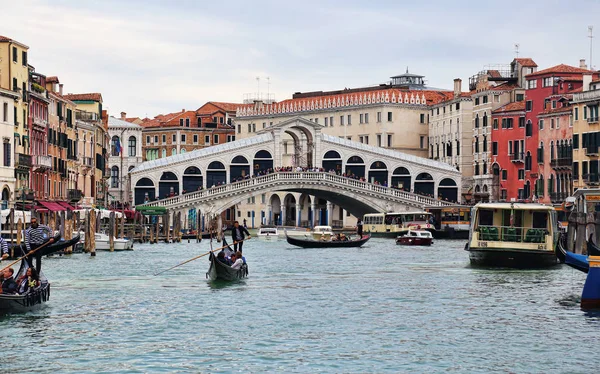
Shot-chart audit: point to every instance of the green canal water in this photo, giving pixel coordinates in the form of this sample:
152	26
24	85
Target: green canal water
380	308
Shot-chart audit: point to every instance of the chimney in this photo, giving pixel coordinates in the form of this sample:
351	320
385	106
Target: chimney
457	87
123	116
587	79
60	86
182	110
582	63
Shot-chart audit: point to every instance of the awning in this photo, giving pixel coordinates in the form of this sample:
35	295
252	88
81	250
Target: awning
151	210
53	207
66	205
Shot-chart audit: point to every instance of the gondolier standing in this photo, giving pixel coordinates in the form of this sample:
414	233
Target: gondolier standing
35	236
3	249
237	235
359	227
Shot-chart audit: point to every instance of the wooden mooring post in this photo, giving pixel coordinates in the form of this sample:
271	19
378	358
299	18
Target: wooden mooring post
111	231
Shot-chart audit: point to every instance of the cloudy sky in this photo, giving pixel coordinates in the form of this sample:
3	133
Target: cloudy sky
148	56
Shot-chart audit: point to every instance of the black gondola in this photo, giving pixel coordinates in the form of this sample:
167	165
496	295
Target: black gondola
592	249
561	252
36	297
310	243
221	271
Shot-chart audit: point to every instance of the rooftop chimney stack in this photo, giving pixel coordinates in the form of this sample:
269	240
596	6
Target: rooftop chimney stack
457	87
60	88
582	63
587	79
123	116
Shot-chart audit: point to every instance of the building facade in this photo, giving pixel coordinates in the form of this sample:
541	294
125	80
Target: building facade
125	154
7	128
586	134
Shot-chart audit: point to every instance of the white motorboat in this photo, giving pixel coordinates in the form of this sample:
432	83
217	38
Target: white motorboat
268	233
103	243
322	231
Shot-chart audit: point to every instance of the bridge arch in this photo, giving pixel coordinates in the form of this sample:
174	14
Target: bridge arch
275	212
332	160
168	184
144	191
424	184
239	168
401	178
378	172
448	190
192	179
262	162
216	174
355	166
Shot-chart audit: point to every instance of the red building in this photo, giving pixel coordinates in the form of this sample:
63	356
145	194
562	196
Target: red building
38	130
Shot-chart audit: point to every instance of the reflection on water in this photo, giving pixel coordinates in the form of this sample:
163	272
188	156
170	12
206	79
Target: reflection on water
380	308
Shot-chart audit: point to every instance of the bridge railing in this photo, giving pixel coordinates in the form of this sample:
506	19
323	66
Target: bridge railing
304	176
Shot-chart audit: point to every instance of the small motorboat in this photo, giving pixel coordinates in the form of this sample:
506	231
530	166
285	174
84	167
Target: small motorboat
320	232
312	243
103	243
415	237
268	233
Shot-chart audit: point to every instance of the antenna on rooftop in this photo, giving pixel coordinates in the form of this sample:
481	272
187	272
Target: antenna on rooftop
268	88
591	36
258	86
517	45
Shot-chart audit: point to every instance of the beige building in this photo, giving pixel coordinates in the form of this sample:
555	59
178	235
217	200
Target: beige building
129	136
7	128
586	135
451	133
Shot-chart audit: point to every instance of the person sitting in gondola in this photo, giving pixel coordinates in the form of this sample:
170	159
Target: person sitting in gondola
343	237
9	286
323	238
29	281
221	257
3	249
238	261
335	238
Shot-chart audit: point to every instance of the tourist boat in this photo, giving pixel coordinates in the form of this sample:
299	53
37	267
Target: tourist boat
268	233
415	237
513	235
103	243
390	225
224	272
35	298
312	243
319	232
451	222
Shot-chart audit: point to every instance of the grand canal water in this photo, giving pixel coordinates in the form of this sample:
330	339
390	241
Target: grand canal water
380	308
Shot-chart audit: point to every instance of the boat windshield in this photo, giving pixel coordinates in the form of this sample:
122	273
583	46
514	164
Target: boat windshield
514	225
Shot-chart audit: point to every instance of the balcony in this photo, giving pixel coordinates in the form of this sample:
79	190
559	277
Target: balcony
563	163
585	96
23	161
87	162
591	179
591	150
517	157
74	195
592	120
41	163
558	197
86	116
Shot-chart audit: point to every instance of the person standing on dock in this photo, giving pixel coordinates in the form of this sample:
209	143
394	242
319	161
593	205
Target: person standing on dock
238	235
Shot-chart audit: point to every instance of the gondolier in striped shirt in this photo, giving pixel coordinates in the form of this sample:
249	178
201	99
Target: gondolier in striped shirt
3	249
35	236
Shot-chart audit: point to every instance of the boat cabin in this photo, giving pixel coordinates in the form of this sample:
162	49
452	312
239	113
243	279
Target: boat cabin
267	231
319	231
419	234
533	226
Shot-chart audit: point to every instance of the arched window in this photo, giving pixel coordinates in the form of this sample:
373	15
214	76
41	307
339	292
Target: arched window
164	153
476	120
485	120
173	151
552	150
182	151
132	146
114	146
114	177
528	128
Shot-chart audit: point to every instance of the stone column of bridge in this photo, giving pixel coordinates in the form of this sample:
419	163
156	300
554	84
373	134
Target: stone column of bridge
283	214
313	209
269	214
329	214
298	213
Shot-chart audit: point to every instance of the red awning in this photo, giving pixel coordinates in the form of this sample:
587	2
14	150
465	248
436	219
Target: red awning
53	207
65	205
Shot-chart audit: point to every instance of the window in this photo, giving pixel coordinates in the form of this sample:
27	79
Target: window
576	114
187	122
147	140
330	121
528	105
476	101
199	122
239	129
254	127
504	174
531	84
195	139
522	122
476	144
521	174
249	127
181	122
174	140
495	124
575	141
379	140
206	139
173	152
547	82
164	152
485	121
326	121
477	121
15	84
7	154
552	123
366	117
584	168
366	139
528	128
485	99
216	139
389	116
510	147
378	116
361	118
476	168
458	147
553	104
485	143
155	139
422	141
457	106
183	138
132	145
575	170
520	97
495	148
349	119
585	112
509	123
389	140
422	118
341	120
541	124
114	177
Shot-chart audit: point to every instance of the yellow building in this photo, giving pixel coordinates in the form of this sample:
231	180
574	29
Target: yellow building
14	76
586	134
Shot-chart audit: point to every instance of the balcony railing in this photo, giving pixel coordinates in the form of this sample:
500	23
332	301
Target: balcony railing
42	162
592	120
585	96
591	150
564	162
558	197
87	162
591	179
86	116
74	195
517	157
23	161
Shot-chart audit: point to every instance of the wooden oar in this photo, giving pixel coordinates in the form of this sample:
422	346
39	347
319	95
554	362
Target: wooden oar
28	253
194	258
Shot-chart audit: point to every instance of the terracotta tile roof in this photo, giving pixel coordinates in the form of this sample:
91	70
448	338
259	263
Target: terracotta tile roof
578	89
169	120
52	79
133	119
494	74
229	107
84	97
504	87
526	62
565	109
517	106
386	95
561	69
595	81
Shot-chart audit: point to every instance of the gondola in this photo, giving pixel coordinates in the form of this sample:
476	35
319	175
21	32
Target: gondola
224	272
34	298
310	243
592	249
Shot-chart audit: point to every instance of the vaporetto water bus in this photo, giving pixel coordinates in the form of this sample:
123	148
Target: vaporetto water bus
513	235
390	225
452	222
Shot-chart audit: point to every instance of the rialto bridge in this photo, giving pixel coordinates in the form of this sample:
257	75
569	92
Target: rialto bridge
354	177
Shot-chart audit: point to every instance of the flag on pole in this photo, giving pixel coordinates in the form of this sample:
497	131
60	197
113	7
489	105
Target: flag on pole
118	146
